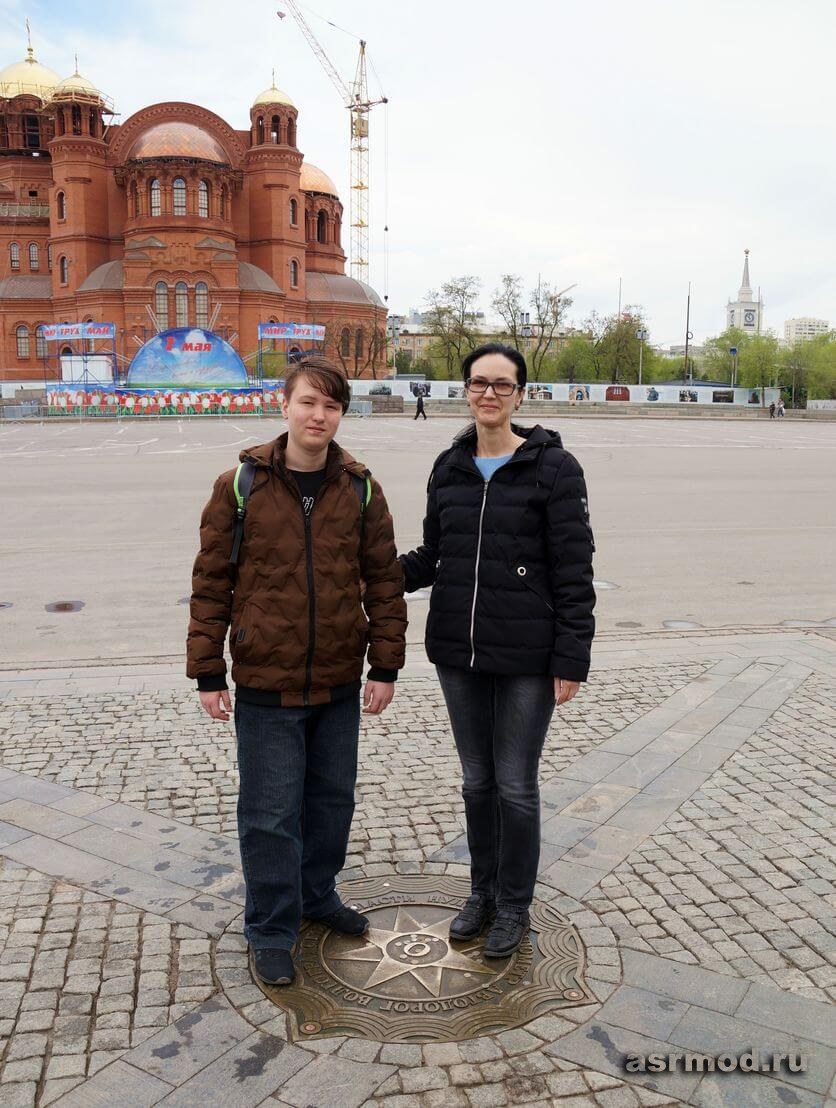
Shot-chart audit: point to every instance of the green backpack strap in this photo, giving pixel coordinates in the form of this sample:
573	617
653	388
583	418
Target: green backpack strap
242	486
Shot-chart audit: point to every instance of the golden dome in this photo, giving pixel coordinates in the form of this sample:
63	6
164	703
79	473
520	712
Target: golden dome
76	87
273	95
315	180
178	140
28	77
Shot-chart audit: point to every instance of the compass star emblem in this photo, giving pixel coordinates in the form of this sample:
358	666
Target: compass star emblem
414	949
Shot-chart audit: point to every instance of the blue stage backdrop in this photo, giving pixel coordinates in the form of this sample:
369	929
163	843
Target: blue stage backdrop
187	357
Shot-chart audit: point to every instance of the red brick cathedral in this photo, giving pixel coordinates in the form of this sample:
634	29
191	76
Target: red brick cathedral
170	219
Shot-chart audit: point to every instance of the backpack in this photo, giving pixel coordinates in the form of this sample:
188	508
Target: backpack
242	487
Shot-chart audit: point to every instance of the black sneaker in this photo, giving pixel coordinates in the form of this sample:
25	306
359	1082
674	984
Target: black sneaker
476	912
273	966
345	920
509	929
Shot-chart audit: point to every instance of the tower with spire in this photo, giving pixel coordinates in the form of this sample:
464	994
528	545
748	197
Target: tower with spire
745	313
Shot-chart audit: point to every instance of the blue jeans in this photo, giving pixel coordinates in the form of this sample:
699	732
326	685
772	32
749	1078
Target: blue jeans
298	768
500	724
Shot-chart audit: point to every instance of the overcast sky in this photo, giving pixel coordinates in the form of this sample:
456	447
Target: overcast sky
585	140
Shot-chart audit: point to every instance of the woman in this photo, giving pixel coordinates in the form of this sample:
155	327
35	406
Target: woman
508	548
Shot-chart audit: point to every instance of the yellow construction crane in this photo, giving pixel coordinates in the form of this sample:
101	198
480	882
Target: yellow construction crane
355	97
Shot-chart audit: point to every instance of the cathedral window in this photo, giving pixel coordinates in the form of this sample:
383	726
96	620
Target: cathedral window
224	203
161	304
61	205
291	133
338	231
201	304
358	344
75	115
155	197
4	133
22	337
49	257
134	200
294	212
181	305
345	343
40	342
259	130
34	257
179	196
321	226
14	255
203	200
64	269
93	122
31	132
60	124
276	130
294	274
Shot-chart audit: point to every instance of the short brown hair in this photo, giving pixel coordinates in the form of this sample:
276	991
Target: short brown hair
323	375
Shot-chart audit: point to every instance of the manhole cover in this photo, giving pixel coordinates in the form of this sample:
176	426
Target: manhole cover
404	981
64	606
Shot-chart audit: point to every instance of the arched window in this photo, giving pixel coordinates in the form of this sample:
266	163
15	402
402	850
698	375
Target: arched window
291	133
358	344
93	122
276	129
345	343
4	132
22	336
161	304
294	274
66	351
34	257
155	197
224	203
338	231
40	342
321	226
49	257
75	115
203	200
201	304
294	212
64	269
259	130
178	190
61	205
134	200
181	305
14	255
59	122
91	343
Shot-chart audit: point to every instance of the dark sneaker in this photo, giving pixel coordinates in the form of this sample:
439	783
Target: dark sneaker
509	929
476	912
345	920
273	966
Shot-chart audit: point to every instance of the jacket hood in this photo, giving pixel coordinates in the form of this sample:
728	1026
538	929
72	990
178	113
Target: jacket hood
270	455
534	436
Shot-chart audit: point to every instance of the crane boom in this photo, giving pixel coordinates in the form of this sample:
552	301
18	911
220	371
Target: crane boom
356	99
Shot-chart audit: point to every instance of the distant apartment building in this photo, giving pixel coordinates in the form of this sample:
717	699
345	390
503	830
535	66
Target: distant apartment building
804	328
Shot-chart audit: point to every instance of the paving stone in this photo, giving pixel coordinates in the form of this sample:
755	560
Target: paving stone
649	1013
118	1083
334	1082
192	1042
785	1012
742	1090
680	982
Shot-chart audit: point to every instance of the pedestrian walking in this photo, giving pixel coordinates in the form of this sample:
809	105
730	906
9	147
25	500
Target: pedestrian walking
507	547
772	410
281	566
780	408
419	406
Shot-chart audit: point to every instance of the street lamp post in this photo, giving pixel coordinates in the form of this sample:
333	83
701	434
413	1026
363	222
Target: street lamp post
733	352
641	335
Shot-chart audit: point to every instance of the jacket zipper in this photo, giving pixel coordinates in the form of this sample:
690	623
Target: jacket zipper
476	578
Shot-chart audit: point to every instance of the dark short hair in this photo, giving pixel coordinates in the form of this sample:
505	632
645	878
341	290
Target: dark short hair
323	375
496	348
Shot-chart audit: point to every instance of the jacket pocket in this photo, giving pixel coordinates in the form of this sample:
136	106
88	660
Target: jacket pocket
522	571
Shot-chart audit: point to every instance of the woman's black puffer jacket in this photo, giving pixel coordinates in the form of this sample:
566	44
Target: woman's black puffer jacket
510	561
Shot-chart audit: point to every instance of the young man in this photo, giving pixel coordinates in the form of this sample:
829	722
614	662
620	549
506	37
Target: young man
316	525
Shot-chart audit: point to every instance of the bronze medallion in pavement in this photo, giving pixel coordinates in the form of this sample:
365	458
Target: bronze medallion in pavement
405	981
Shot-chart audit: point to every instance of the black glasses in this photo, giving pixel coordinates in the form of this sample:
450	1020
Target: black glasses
500	388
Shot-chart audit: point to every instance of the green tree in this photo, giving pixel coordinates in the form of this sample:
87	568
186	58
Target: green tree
717	359
575	360
549	310
821	376
451	316
614	347
507	302
760	363
403	362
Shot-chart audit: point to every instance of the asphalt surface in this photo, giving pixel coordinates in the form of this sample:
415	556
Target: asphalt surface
713	523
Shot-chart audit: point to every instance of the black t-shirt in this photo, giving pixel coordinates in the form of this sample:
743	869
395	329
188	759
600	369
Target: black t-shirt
309	485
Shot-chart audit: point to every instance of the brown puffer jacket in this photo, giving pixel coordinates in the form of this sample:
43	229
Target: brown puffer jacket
297	624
